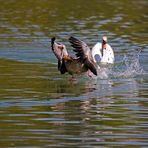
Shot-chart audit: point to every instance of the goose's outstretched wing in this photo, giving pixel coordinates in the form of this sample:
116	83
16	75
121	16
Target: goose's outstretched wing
84	53
59	51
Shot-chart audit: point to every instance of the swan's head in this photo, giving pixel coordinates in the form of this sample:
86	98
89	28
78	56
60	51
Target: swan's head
104	39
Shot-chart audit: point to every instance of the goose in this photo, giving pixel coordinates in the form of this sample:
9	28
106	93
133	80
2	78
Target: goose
78	64
103	52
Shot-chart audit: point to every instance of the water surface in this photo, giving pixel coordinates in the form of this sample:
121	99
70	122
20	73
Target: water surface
41	108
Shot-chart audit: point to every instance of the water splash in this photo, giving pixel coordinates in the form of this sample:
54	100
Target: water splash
127	68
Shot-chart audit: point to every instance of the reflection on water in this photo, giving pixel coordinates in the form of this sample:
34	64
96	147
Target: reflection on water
41	108
44	109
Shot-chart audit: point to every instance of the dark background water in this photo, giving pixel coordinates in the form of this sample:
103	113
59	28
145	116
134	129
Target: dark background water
41	108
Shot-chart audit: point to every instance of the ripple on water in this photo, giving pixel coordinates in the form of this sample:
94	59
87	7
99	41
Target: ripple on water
40	108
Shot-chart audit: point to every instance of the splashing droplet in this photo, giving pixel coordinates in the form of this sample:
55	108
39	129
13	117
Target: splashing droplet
129	67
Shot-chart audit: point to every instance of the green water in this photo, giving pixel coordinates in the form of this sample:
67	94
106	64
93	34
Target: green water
41	108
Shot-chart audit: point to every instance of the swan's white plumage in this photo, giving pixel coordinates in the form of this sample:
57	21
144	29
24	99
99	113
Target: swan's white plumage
108	53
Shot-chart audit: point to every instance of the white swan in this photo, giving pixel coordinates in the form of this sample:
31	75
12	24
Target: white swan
103	53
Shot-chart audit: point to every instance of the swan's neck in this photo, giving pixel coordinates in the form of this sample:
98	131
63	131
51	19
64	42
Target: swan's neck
103	47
